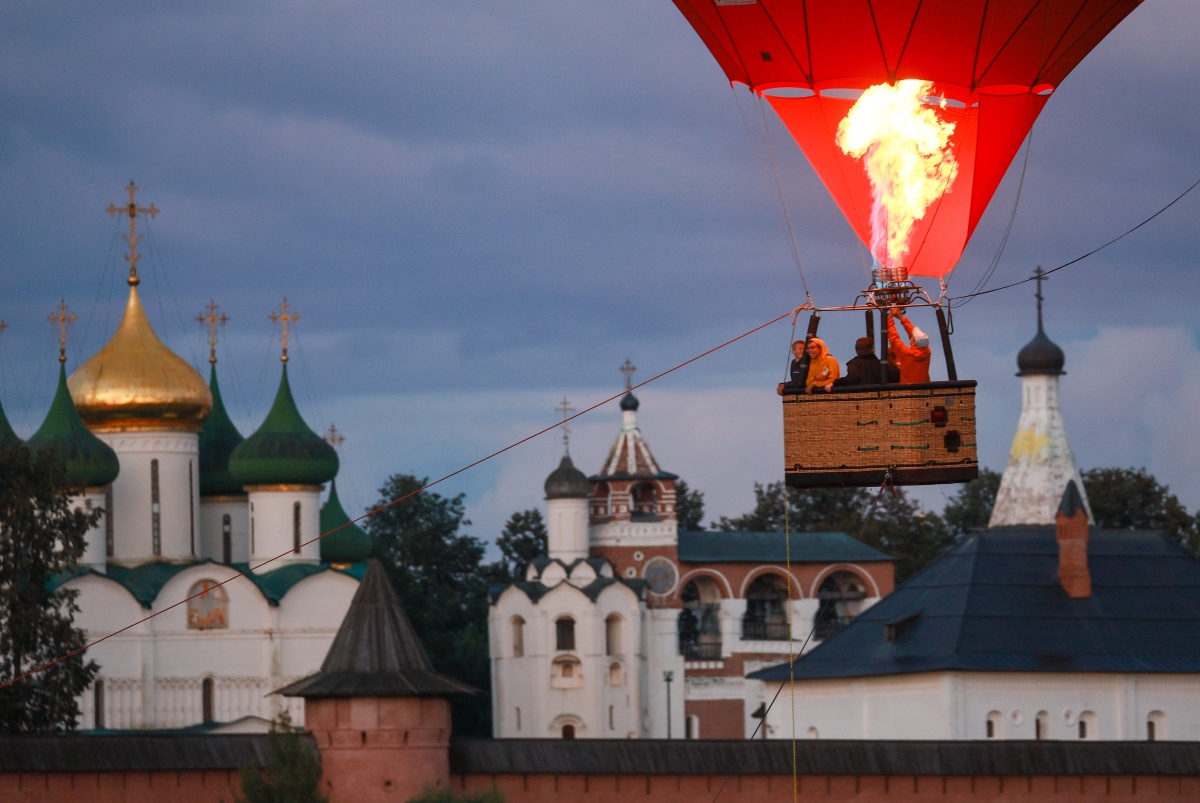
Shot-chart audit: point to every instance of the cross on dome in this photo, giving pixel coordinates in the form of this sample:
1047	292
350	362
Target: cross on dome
212	320
566	409
334	438
283	318
132	210
61	320
628	368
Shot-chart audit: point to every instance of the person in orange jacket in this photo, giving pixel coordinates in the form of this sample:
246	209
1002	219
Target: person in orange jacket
913	360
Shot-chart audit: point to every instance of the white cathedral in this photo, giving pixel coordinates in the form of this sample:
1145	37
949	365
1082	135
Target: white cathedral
203	580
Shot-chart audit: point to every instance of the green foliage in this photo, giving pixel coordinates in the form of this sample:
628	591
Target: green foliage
971	506
689	507
293	771
442	794
439	576
888	521
1132	499
523	539
41	536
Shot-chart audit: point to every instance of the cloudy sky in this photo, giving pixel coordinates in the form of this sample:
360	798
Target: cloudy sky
480	208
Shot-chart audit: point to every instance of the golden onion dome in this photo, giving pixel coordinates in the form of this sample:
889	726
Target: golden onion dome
136	382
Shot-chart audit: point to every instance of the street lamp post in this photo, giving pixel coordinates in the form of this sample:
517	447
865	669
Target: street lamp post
668	677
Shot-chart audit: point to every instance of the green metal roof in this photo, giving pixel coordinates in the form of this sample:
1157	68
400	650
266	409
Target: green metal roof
350	543
284	449
90	462
7	435
218	439
732	547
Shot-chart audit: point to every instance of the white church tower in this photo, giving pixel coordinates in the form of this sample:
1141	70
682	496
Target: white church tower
1040	463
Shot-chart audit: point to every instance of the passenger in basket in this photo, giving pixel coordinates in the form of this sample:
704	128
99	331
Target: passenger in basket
864	368
913	360
823	368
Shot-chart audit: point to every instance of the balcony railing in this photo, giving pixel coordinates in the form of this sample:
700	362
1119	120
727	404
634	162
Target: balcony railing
764	631
827	628
692	651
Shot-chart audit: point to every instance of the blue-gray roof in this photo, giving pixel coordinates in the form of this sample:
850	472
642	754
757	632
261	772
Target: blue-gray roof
994	603
731	547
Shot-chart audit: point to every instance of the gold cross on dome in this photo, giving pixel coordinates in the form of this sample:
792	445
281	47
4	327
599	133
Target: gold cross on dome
212	320
132	210
61	320
628	368
566	409
284	318
334	438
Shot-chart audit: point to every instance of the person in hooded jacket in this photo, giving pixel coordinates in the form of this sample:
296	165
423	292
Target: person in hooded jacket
864	368
913	360
823	367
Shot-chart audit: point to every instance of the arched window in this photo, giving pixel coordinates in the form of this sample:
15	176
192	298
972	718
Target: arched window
206	699
616	675
518	718
766	609
568	731
813	733
566	672
611	725
564	633
296	528
995	720
518	637
700	621
598	504
841	595
98	704
1156	726
612	635
643	501
226	539
1041	726
1087	725
155	511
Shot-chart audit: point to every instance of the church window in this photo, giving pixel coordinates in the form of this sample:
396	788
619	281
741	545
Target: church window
616	675
1087	725
296	528
1041	726
566	673
568	731
643	502
206	699
611	718
192	508
108	522
518	718
518	637
226	539
612	635
207	606
251	528
994	720
155	511
699	622
98	703
691	727
564	633
1156	726
840	595
766	609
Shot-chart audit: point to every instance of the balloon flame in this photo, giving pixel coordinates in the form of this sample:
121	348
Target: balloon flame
905	151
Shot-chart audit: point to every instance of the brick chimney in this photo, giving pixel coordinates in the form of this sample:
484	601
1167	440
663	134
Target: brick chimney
1072	524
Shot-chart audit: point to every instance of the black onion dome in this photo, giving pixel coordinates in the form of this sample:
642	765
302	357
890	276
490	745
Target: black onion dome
630	402
567	482
1040	356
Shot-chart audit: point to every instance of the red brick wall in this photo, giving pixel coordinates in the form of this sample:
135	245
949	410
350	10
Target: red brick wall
719	719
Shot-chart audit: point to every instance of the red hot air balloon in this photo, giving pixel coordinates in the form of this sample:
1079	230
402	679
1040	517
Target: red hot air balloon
983	68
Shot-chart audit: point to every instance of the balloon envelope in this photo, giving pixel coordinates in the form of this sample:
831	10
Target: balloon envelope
995	63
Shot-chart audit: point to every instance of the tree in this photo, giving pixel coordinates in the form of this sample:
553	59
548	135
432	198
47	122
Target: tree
971	506
689	507
41	536
439	576
1132	499
523	539
292	773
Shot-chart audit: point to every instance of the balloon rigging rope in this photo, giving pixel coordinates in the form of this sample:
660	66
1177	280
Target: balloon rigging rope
400	499
1097	249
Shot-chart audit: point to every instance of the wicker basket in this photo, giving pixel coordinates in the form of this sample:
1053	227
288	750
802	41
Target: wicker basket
908	434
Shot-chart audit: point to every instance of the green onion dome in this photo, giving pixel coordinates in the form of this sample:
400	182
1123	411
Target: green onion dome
7	436
218	439
351	544
284	450
90	462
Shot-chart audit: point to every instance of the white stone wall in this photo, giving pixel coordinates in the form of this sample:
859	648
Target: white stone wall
957	706
178	510
567	529
273	525
212	515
